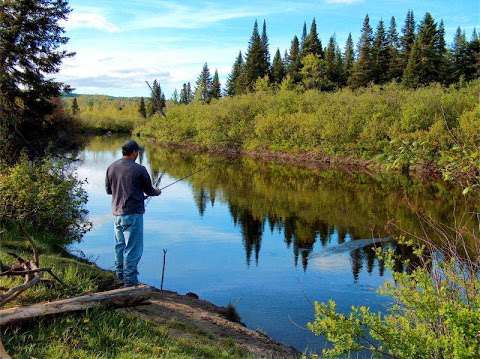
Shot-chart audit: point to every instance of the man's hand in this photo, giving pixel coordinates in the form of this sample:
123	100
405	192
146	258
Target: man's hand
158	192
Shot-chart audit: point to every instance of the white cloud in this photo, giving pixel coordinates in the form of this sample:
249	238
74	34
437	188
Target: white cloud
91	19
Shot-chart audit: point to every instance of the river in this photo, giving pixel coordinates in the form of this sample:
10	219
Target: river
271	239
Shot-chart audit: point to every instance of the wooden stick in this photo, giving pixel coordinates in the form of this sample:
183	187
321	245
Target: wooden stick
163	268
122	297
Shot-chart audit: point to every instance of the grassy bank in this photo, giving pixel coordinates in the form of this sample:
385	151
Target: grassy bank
97	333
432	127
100	114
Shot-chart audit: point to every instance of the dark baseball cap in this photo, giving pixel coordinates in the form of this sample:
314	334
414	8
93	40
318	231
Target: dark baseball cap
129	147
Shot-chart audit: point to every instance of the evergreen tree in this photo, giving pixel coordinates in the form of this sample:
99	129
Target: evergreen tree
442	53
381	55
189	92
314	73
278	68
294	63
424	65
265	44
460	55
473	70
349	57
141	108
75	107
183	94
304	36
203	88
233	85
408	37
340	67
157	99
256	65
32	49
362	72
331	59
175	98
216	87
312	44
395	69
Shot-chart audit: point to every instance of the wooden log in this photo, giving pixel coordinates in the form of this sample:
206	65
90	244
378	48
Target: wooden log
116	298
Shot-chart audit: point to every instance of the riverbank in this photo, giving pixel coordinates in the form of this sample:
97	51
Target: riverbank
170	325
431	130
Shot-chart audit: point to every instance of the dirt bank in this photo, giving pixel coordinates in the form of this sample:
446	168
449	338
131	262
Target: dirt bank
211	320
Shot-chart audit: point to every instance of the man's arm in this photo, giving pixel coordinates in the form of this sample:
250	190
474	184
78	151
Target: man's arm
108	187
148	188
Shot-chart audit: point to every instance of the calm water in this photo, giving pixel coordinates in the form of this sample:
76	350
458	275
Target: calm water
269	238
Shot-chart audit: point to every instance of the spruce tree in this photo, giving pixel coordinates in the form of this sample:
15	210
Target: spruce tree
362	72
294	64
473	69
265	44
395	69
349	58
189	92
441	47
304	36
408	37
183	94
460	55
157	99
331	58
233	83
216	92
175	97
312	44
256	65
75	107
142	110
278	68
203	89
381	55
424	67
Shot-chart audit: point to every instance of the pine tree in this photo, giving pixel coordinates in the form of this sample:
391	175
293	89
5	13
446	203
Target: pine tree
349	56
255	63
142	110
75	107
175	98
312	44
294	63
473	70
395	69
189	93
216	92
157	99
408	38
340	67
331	58
424	66
304	36
441	47
459	55
233	85
265	44
381	55
183	94
362	72
278	68
203	88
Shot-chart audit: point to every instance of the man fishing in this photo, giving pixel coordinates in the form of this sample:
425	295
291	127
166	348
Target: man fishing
128	183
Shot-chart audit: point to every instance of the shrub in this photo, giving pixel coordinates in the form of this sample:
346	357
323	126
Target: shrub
43	197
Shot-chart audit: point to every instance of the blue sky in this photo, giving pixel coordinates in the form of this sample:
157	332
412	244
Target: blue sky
122	43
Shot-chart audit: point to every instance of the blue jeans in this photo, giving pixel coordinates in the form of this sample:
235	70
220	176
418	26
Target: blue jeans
128	246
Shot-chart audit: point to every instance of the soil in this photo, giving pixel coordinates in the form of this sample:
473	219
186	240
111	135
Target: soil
207	318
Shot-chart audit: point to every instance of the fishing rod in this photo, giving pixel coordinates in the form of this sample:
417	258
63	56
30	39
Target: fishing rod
180	179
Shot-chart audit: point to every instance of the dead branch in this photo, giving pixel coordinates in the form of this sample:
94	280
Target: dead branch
123	297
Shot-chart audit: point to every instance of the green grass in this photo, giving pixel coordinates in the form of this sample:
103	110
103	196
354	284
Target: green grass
96	333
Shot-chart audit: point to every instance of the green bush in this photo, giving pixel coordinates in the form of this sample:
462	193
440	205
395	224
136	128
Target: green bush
399	126
45	198
435	314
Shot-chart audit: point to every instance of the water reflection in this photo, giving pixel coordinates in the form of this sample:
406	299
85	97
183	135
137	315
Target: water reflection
267	236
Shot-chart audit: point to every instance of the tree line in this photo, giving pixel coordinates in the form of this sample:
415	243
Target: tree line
415	56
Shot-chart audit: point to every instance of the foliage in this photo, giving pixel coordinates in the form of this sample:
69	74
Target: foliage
103	113
399	127
31	51
436	314
44	197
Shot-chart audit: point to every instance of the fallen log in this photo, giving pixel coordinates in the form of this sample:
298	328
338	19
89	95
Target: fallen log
123	297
